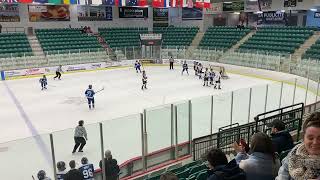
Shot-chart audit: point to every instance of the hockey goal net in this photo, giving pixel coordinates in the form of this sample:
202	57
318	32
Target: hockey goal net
220	69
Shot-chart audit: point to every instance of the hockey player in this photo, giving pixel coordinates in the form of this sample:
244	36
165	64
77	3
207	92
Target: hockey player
61	166
184	67
218	81
86	169
137	66
43	81
211	76
195	64
58	72
90	96
144	80
200	68
206	77
42	175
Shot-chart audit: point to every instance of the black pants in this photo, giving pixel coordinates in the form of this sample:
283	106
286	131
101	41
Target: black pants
58	75
171	65
79	141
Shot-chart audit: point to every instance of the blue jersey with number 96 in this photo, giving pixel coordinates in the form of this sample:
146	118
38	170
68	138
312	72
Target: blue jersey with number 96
87	171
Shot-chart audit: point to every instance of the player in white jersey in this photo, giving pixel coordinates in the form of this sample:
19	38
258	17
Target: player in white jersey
61	166
217	78
58	72
144	80
206	78
86	169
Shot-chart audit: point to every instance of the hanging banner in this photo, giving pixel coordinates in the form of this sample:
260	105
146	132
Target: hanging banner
290	3
253	6
233	6
133	12
215	8
316	14
94	13
271	18
9	13
160	14
192	13
40	13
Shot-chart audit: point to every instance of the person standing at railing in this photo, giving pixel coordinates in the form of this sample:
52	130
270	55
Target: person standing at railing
112	168
0	28
171	61
58	72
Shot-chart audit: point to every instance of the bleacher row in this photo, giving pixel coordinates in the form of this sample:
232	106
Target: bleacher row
278	40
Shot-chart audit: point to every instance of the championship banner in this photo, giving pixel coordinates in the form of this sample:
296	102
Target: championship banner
290	3
215	8
9	13
253	6
94	13
233	6
133	12
160	14
316	14
40	13
192	13
271	18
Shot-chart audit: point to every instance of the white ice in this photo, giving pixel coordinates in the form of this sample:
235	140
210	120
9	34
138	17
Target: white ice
63	104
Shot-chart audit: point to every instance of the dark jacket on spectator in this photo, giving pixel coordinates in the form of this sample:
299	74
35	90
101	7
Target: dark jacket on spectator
73	174
282	141
231	171
112	168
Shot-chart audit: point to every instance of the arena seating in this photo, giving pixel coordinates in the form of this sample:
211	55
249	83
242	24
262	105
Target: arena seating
313	52
191	171
222	37
14	45
176	36
60	41
122	37
278	40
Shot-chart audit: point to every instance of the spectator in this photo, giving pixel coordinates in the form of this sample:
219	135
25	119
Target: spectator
86	169
168	176
42	175
73	174
80	137
0	28
303	162
262	163
61	166
111	166
242	150
281	138
220	169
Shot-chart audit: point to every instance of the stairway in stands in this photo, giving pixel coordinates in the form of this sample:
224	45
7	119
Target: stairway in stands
305	46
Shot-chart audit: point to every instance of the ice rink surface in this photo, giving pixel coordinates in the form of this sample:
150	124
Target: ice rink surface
63	104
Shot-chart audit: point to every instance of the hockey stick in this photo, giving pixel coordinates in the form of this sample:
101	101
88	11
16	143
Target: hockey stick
100	90
33	178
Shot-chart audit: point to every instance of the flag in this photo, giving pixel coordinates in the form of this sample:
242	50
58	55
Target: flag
110	2
190	4
40	1
122	3
142	2
24	1
9	1
54	1
206	4
176	3
96	2
69	1
160	3
82	2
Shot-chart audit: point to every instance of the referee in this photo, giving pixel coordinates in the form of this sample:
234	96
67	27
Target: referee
80	137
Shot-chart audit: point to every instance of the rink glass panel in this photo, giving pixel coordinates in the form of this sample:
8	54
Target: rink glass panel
274	93
258	100
287	93
182	121
221	110
158	127
201	110
64	143
23	158
241	99
122	136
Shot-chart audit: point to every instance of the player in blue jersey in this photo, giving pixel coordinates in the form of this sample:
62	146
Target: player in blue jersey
90	96
43	81
61	166
184	67
86	169
137	66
